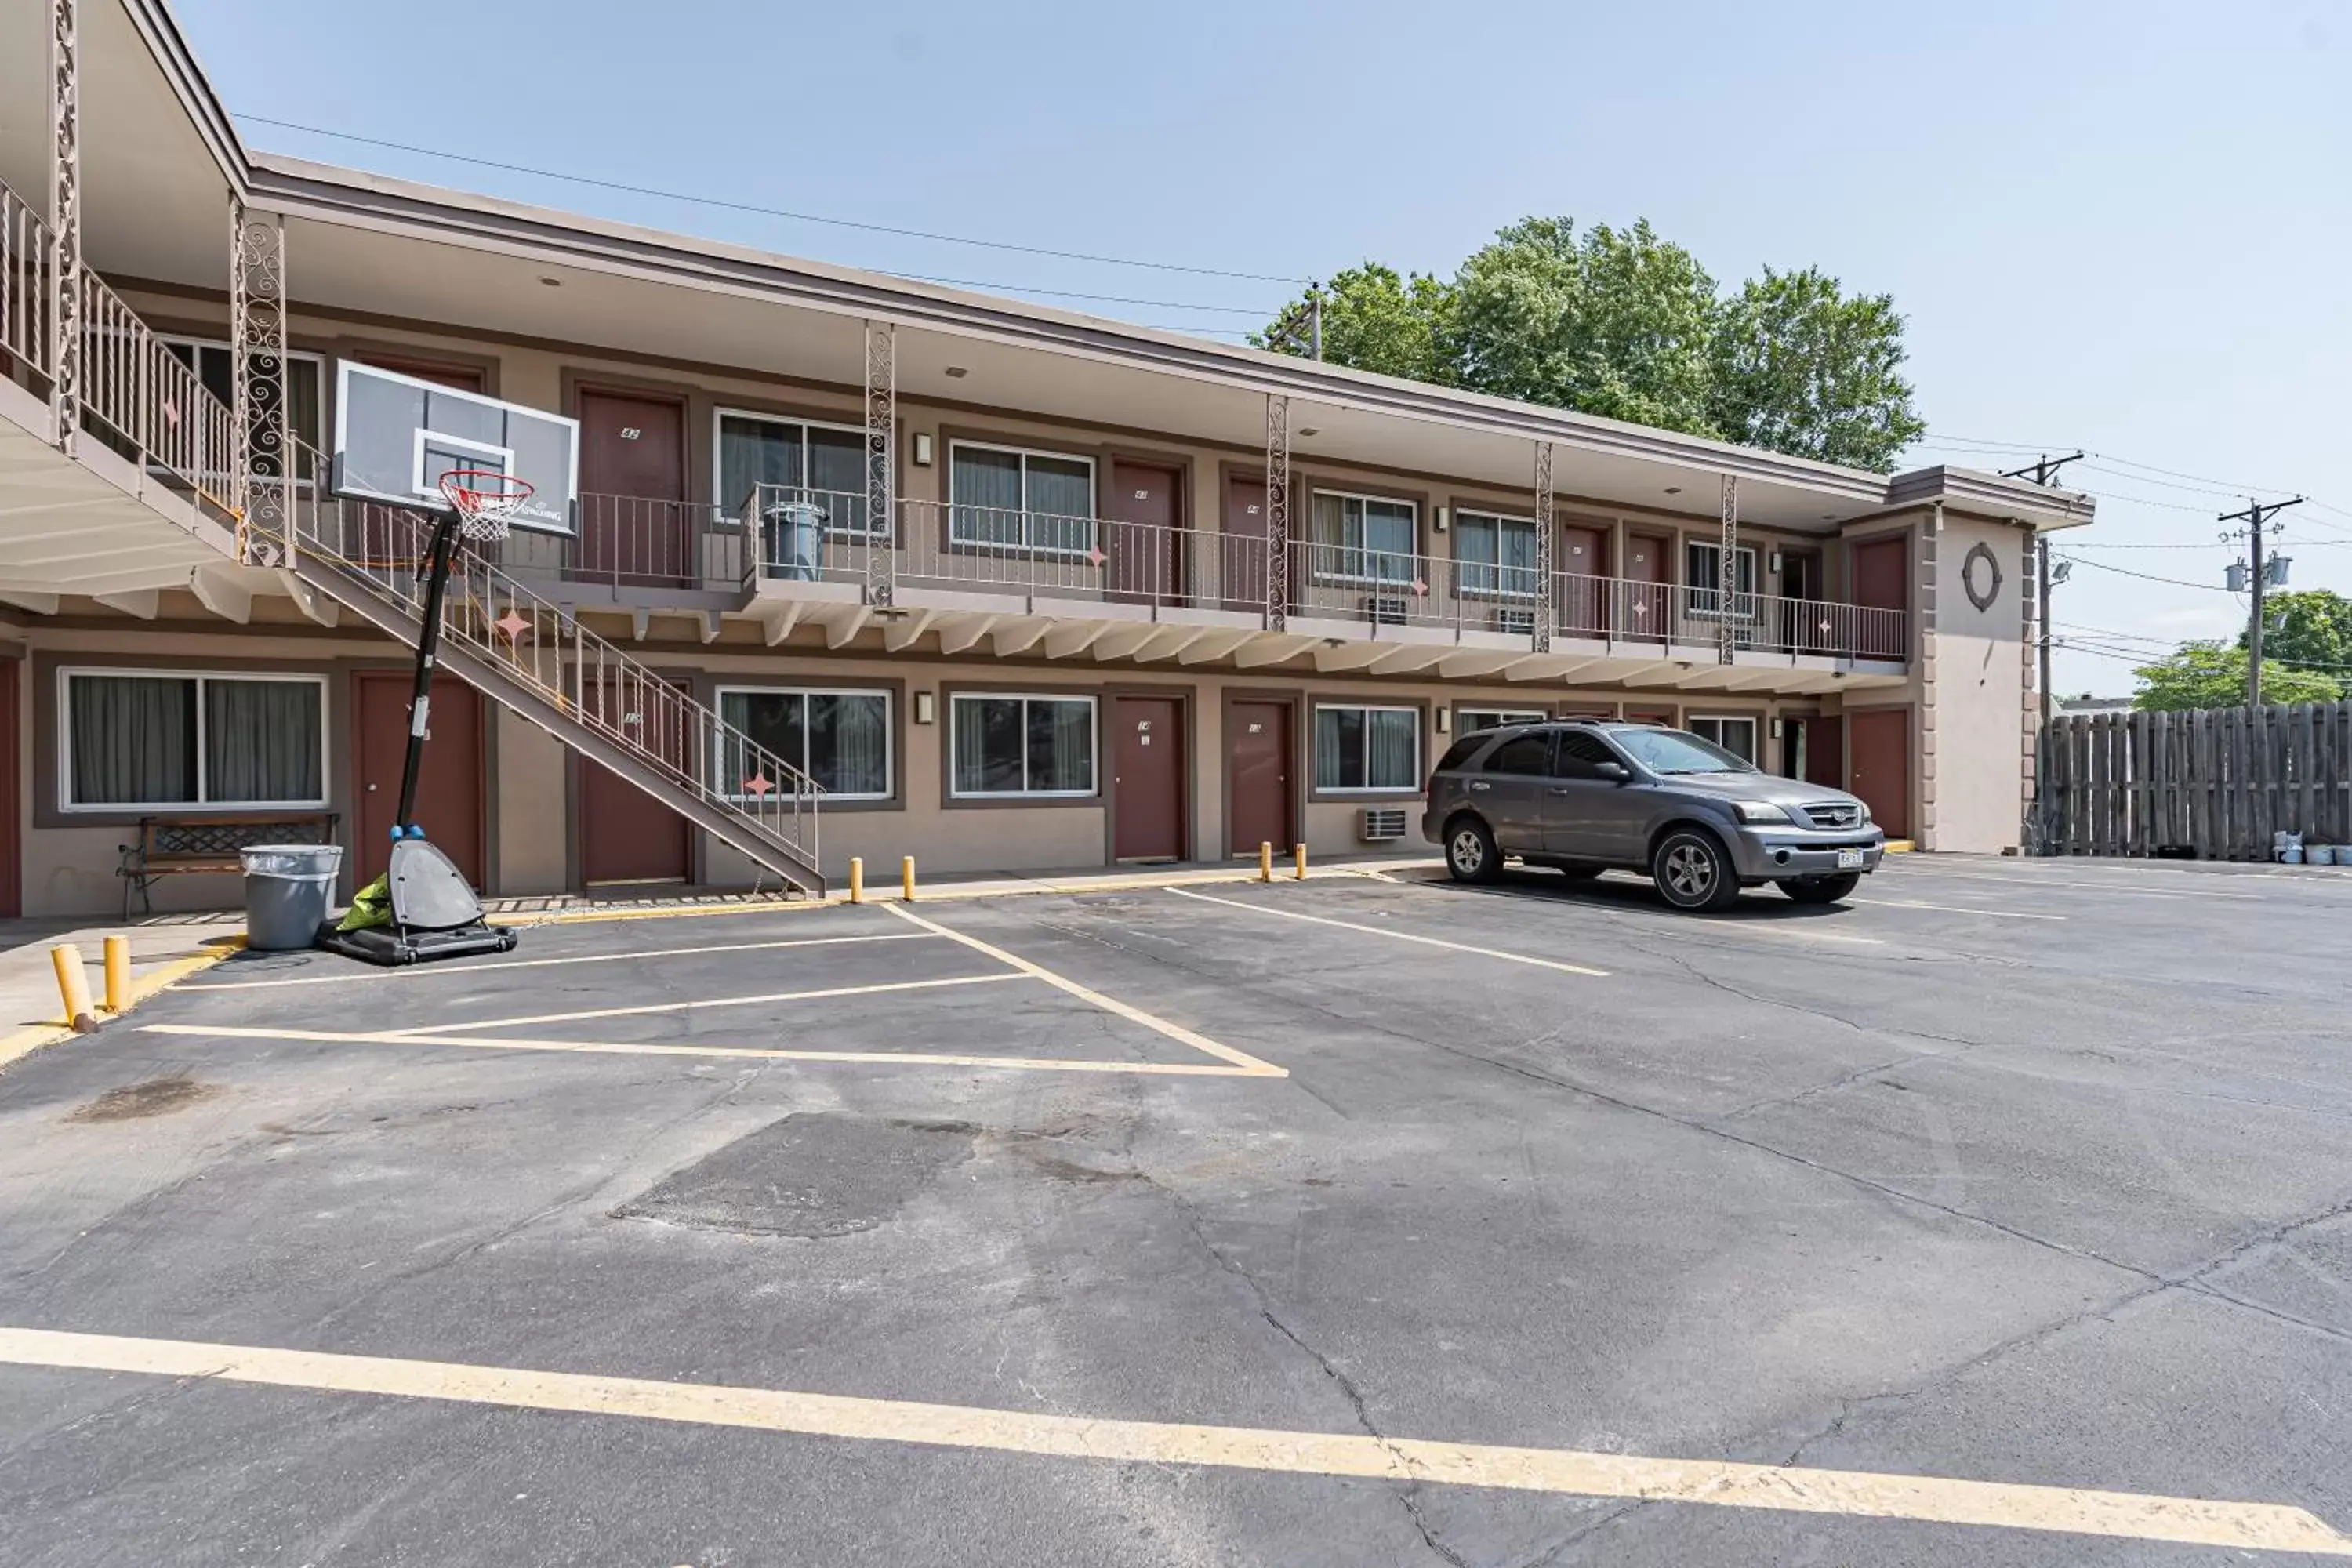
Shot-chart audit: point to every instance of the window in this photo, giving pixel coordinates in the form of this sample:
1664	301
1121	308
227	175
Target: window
1010	498
1737	736
839	739
148	740
1701	569
1021	745
1362	539
1368	749
1467	719
215	366
792	460
1529	755
1674	751
1457	755
1580	754
1497	555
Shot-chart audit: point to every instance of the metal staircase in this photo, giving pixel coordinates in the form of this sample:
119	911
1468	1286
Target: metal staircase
177	444
537	658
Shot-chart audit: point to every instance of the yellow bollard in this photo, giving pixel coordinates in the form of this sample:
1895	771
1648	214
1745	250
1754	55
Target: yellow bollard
1298	860
857	878
73	985
118	975
907	877
1265	862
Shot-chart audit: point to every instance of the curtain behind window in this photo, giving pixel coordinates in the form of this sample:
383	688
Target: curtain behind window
987	745
1061	745
1061	504
836	473
261	741
1387	536
849	740
986	488
1394	750
133	739
755	452
772	720
1338	748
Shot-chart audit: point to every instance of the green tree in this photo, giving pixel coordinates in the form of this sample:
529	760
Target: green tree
1613	323
2312	629
1800	368
1621	323
2213	675
1375	319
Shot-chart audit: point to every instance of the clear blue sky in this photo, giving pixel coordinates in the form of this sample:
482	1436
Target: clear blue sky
2126	226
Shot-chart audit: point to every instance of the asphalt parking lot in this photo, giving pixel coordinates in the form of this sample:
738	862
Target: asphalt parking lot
1366	1220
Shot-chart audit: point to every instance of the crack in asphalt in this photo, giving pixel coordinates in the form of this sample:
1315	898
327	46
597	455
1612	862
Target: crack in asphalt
1410	1493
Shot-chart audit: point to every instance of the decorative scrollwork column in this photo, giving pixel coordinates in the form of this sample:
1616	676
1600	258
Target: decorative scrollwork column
65	221
1277	513
1544	585
881	470
264	458
1727	573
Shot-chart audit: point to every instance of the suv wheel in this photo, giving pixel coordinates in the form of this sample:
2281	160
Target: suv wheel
1821	889
1694	871
1470	852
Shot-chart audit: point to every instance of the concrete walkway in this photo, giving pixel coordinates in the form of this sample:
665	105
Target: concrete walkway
28	985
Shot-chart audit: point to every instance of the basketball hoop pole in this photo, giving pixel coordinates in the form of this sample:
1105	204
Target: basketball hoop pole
429	645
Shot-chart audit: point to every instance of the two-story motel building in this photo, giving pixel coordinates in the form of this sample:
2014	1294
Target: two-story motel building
1082	592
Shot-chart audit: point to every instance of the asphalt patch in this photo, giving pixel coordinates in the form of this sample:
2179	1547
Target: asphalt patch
816	1175
156	1097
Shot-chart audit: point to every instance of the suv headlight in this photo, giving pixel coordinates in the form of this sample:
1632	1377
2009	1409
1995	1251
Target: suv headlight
1760	811
1866	812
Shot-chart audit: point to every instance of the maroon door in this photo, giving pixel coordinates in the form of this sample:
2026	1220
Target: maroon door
1148	778
1647	612
1881	750
1257	776
1801	614
1140	559
1244	563
449	788
635	525
1825	751
1583	607
12	860
625	835
1881	581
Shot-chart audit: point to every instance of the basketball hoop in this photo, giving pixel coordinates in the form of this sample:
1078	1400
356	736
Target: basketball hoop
485	500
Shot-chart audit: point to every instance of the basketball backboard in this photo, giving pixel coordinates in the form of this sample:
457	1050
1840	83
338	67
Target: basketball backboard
396	435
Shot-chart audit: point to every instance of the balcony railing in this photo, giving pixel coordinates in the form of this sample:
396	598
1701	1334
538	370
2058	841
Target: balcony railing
1041	556
632	542
1616	609
28	294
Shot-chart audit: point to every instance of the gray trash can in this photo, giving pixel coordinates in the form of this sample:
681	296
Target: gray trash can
797	535
288	888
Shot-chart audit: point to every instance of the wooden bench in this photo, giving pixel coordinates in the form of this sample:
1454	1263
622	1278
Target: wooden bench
174	846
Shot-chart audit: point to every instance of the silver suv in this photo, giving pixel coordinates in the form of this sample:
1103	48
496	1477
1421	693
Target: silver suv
1587	796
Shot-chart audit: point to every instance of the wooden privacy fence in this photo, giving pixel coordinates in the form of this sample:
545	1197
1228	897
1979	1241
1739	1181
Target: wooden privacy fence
2219	782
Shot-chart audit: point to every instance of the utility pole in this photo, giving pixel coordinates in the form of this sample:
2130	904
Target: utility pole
1300	326
2044	470
2255	517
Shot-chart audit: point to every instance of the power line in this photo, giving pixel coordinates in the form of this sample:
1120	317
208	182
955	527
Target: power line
2144	576
720	202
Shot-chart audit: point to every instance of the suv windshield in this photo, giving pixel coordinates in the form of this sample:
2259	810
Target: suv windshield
1678	752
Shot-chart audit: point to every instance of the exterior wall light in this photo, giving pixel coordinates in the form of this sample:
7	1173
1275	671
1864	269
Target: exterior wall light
923	448
927	708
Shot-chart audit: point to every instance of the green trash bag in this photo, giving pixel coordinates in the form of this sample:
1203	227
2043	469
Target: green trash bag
371	907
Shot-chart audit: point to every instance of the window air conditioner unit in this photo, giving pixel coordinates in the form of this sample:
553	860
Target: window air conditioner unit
1516	623
1379	825
1385	611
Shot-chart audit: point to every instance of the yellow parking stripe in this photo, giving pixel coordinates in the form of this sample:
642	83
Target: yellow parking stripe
1174	1031
1395	935
748	1053
500	966
698	1004
2242	1526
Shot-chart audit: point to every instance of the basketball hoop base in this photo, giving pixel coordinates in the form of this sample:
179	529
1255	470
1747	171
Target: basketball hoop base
434	915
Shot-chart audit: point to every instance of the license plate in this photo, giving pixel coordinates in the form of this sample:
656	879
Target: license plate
1848	859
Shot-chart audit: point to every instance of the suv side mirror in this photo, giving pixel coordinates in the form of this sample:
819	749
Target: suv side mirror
1612	773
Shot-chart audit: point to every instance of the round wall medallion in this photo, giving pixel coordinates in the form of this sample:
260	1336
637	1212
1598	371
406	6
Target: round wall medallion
1980	575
